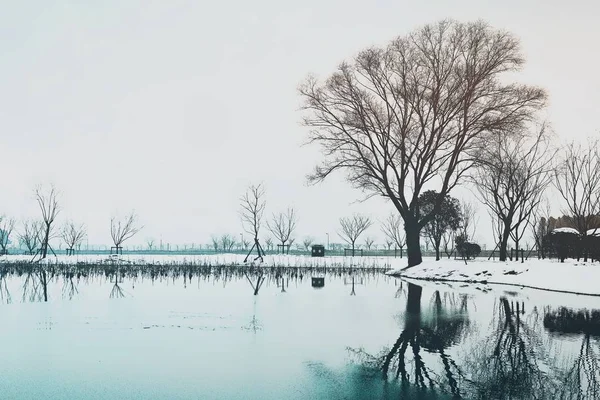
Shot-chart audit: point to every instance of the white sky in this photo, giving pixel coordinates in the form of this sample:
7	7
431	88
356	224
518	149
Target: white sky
172	108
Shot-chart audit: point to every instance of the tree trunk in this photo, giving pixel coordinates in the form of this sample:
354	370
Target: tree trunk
437	249
45	285
504	241
413	304
45	244
413	244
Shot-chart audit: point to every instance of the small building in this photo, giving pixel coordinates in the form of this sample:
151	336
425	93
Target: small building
318	282
318	250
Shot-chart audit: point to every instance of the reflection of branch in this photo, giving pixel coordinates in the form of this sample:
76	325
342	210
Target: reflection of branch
116	292
32	288
4	293
69	288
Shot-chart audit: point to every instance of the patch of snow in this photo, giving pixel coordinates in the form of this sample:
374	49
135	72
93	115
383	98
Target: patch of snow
566	230
570	276
593	232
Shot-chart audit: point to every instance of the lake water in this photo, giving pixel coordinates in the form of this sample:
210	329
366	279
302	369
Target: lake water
201	333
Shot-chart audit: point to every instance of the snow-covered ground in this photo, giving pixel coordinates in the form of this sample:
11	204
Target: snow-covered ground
570	276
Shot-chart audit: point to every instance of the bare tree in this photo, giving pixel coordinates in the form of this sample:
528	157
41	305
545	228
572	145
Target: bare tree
577	179
150	243
245	244
31	235
72	235
541	227
369	242
282	225
352	228
6	227
122	230
448	240
468	224
253	207
417	112
227	242
388	243
215	242
514	172
393	230
269	243
48	203
307	242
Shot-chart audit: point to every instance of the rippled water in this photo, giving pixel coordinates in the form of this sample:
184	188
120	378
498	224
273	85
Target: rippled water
186	333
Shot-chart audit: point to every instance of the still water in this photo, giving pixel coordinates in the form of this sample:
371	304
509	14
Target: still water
101	332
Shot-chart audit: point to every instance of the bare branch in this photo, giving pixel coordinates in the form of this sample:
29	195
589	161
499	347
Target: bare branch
393	230
122	230
253	206
282	226
73	235
6	227
353	227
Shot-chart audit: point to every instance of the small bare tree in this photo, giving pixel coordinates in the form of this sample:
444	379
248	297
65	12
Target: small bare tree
577	179
307	242
282	225
253	206
269	243
369	242
31	235
6	227
122	230
150	243
352	228
215	242
388	243
393	230
227	242
72	235
48	203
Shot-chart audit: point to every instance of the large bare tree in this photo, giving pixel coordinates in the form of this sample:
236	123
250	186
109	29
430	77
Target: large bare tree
577	179
511	179
417	112
124	229
30	235
353	227
7	225
72	235
253	206
282	226
48	203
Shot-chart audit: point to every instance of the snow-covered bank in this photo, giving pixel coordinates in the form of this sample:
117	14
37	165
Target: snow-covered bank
222	260
570	277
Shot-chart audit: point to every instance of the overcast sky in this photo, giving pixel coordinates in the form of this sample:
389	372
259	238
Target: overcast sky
172	108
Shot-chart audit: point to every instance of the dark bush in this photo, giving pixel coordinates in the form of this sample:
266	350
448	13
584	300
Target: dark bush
468	250
565	244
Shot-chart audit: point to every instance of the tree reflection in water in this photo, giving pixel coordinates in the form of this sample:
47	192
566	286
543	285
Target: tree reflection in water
5	297
580	378
117	291
510	363
69	289
446	324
